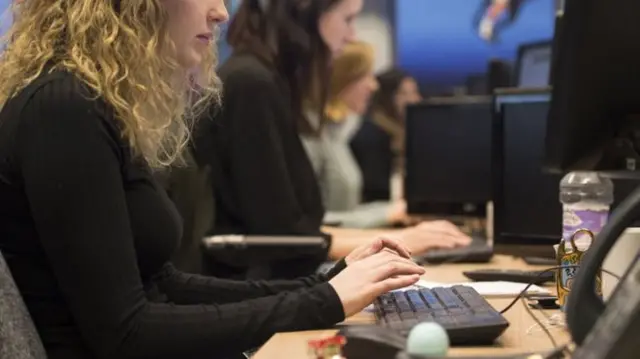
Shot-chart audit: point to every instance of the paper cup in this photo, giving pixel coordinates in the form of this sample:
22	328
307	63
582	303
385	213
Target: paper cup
620	257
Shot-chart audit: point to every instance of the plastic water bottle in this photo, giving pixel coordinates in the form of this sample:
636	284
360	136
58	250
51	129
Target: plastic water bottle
586	198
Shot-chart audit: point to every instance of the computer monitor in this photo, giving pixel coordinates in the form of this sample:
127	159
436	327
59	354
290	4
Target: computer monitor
499	73
476	84
448	156
593	125
527	210
525	200
533	64
596	94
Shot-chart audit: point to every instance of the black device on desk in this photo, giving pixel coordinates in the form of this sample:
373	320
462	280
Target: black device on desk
510	275
460	182
478	251
594	125
540	261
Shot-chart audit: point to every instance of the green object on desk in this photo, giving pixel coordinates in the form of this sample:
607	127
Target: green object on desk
428	339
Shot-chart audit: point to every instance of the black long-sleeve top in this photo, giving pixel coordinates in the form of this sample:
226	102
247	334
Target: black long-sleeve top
87	235
263	181
371	146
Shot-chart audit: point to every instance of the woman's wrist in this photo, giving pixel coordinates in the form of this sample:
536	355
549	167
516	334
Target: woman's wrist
337	268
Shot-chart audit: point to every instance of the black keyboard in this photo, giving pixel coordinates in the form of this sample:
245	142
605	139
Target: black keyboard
467	317
478	251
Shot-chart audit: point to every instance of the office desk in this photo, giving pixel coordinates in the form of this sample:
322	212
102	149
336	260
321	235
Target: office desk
516	338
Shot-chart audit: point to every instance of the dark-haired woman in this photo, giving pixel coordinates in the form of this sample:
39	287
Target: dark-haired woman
379	144
264	182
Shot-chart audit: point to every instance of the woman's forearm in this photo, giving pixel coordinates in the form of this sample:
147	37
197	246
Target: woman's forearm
346	240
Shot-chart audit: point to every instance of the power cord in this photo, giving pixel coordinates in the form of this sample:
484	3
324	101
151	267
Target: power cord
542	326
559	351
524	291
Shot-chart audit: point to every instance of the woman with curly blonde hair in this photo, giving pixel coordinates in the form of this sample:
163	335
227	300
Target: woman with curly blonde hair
95	94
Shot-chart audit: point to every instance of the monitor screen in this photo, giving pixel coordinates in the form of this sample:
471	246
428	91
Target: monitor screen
448	157
534	65
527	207
443	42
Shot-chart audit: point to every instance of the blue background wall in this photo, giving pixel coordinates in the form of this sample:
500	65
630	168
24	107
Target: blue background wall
223	48
437	40
5	18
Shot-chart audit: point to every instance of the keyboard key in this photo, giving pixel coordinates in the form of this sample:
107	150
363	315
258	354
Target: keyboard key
399	326
386	298
424	317
448	299
407	315
431	299
410	323
457	311
395	317
402	302
440	313
400	297
445	321
416	301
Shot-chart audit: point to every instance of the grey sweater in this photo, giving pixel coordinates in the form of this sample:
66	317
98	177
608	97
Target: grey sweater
340	178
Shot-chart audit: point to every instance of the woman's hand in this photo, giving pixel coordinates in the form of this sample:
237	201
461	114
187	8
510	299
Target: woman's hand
431	235
362	282
375	246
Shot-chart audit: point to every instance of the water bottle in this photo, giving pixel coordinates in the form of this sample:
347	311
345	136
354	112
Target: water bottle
586	198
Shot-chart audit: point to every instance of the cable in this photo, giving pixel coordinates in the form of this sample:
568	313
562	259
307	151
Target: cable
559	352
524	291
535	318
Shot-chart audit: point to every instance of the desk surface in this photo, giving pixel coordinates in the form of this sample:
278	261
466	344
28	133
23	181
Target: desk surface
523	334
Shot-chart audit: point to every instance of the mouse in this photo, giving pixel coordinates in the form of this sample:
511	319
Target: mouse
371	341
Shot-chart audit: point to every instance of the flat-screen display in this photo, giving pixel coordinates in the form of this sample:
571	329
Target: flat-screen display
534	66
448	157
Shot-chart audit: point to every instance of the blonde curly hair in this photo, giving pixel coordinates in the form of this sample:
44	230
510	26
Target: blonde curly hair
125	56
